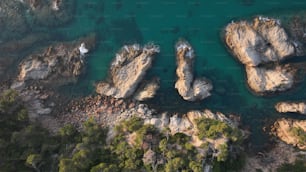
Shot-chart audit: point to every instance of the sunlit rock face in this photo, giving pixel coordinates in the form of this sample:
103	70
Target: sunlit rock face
127	70
189	88
260	45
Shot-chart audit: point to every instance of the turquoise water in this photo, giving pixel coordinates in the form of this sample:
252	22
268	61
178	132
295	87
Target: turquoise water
164	22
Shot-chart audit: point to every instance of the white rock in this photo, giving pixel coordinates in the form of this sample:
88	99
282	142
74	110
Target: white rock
83	50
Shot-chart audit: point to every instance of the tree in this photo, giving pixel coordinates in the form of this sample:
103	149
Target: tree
34	160
67	165
103	167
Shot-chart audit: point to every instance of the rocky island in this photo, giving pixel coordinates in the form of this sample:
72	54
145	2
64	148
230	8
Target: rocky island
296	107
189	88
260	45
127	70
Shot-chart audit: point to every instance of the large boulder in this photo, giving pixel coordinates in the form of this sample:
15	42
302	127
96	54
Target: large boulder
189	88
261	41
128	70
59	62
291	132
296	107
260	45
268	80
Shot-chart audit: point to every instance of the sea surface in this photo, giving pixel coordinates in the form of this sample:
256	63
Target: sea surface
163	22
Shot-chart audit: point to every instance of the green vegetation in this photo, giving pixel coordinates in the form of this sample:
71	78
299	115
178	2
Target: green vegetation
26	146
300	134
213	129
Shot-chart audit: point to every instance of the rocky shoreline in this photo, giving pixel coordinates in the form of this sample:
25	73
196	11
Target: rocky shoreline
262	46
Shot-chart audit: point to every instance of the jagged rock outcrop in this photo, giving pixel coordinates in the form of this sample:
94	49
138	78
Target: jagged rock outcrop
291	132
58	63
147	90
296	107
257	45
127	70
189	88
268	80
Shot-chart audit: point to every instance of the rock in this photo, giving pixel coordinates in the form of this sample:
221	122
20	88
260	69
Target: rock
296	107
291	132
186	123
259	44
147	90
190	89
262	41
268	80
60	62
127	70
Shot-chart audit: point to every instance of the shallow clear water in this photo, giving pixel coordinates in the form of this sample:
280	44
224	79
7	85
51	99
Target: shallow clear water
201	23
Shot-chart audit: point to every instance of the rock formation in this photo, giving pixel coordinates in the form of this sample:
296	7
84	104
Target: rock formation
60	62
296	107
147	90
257	45
189	88
263	79
291	132
127	70
186	123
261	41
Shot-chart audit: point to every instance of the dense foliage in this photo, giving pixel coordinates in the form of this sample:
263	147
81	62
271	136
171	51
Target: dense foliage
26	146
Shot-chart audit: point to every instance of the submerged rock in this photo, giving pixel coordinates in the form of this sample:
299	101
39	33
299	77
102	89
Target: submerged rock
58	63
147	90
13	23
268	80
296	107
189	88
291	132
51	12
127	70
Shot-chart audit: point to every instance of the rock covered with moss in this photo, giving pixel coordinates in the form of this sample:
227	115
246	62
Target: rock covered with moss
127	70
291	132
188	87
